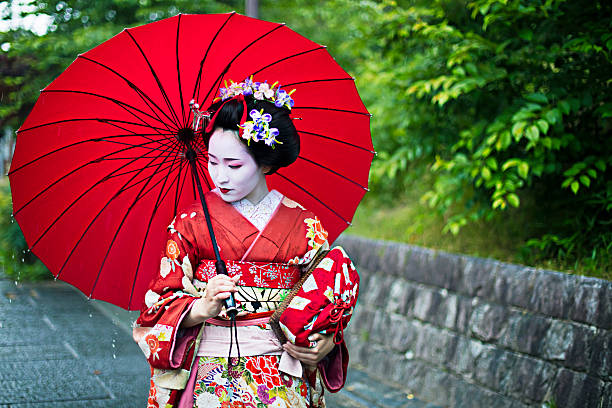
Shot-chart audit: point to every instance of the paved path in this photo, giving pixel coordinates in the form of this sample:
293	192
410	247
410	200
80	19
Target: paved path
59	349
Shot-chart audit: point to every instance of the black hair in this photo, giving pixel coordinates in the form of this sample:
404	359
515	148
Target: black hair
283	154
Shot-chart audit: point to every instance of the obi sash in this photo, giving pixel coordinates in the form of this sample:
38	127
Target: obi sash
257	274
273	281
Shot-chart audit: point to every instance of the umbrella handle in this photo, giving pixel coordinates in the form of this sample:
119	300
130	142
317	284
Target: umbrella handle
230	303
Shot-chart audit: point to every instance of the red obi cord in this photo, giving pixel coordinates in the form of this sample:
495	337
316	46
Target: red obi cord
335	317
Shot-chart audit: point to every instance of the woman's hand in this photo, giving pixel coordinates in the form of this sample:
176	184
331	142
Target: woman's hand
218	288
311	356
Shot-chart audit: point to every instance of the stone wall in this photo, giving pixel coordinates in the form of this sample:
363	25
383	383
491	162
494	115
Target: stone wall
460	331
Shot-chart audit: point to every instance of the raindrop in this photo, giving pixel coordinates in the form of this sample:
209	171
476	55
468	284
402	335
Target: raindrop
22	260
90	315
114	355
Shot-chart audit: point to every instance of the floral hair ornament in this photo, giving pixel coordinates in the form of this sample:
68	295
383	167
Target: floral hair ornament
259	127
260	90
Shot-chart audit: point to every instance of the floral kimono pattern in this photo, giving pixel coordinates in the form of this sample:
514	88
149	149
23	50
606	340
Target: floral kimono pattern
179	377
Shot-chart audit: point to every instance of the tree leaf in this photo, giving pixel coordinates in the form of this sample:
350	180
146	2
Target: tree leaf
575	186
542	125
523	169
585	180
537	98
533	133
513	200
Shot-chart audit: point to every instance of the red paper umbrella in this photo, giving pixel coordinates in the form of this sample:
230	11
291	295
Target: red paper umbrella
99	168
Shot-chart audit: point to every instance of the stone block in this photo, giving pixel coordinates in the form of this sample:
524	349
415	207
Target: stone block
529	380
515	285
380	325
477	279
552	294
558	341
592	302
464	314
588	350
432	344
389	259
447	270
572	389
399	293
459	358
525	332
402	333
450	310
377	290
417	266
493	368
426	304
488	321
471	396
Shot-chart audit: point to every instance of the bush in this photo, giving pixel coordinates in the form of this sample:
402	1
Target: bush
514	104
15	260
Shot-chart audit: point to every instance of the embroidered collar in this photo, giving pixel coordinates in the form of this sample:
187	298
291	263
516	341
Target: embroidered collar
259	214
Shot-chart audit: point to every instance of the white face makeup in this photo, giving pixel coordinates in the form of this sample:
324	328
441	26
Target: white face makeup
233	169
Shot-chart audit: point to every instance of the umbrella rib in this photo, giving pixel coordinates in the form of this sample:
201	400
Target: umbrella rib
115	101
320	80
155	208
178	70
178	192
121	190
12	171
196	88
168	149
333	109
174	144
336	140
128	186
334	172
106	178
73	171
136	89
160	86
229	64
201	168
320	47
74	202
312	195
136	199
103	120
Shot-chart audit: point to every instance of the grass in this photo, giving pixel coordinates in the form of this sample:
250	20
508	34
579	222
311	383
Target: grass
503	238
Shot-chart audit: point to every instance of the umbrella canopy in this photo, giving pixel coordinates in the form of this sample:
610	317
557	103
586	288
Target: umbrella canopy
99	168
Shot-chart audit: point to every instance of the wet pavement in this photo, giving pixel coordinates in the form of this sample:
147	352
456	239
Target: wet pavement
59	349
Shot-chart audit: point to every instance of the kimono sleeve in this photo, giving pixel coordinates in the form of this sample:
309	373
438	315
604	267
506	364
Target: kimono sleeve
333	368
168	301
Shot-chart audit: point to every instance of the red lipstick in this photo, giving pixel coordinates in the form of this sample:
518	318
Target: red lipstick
225	190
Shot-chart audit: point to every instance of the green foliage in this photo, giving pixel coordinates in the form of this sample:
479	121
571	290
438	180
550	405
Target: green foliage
513	100
15	260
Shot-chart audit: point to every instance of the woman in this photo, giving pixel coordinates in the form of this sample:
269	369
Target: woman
265	239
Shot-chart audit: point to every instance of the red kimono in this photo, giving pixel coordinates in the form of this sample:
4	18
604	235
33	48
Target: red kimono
268	262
